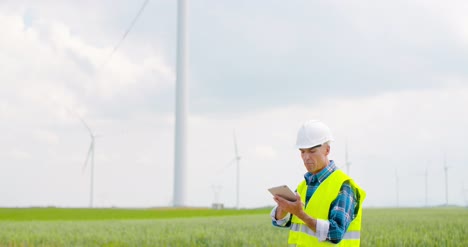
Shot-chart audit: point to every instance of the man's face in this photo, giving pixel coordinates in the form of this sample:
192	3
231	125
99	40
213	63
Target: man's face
315	159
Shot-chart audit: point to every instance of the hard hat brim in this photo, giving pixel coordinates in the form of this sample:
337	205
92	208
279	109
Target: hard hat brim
307	147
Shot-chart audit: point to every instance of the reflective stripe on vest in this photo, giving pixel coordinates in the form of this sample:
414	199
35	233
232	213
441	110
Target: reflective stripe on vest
351	235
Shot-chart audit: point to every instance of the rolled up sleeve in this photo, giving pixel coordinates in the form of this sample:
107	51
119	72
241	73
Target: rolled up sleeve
322	229
284	222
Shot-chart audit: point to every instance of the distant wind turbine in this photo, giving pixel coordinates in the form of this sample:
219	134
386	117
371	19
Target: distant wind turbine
237	159
446	179
90	157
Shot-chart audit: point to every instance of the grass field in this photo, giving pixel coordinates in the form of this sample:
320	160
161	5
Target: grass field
204	227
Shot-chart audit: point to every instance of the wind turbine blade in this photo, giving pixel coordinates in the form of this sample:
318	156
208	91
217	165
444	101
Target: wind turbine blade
81	119
229	164
87	127
87	156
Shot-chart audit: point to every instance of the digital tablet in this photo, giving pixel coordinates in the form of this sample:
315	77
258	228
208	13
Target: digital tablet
283	191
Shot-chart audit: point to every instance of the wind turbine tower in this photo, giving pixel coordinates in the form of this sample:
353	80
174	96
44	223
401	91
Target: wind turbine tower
90	157
180	153
237	158
446	179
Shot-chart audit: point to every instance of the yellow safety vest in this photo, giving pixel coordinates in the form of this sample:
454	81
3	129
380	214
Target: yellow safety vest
318	207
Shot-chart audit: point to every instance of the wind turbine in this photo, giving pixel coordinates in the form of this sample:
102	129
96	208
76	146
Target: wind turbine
237	159
90	157
446	179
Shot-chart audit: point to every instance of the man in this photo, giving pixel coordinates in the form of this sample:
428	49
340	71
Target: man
328	205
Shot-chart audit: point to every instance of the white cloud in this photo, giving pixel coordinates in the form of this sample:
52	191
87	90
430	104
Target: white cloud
265	153
17	154
57	59
47	137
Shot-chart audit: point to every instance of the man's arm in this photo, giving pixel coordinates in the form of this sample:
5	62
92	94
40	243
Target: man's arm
284	221
297	209
342	211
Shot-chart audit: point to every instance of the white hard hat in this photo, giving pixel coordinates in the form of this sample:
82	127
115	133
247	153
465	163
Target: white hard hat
313	133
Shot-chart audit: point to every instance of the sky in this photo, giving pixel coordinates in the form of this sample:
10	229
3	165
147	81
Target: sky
389	78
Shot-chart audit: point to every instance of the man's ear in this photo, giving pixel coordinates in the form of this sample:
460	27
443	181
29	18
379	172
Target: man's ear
327	152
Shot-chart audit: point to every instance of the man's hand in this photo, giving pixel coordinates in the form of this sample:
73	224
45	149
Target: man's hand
289	206
296	209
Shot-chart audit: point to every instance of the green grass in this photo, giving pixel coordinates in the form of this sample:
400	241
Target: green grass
213	231
415	227
204	227
75	214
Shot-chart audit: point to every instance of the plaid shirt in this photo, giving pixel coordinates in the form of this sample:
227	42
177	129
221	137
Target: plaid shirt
343	208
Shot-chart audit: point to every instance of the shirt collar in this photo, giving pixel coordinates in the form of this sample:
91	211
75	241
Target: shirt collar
322	175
